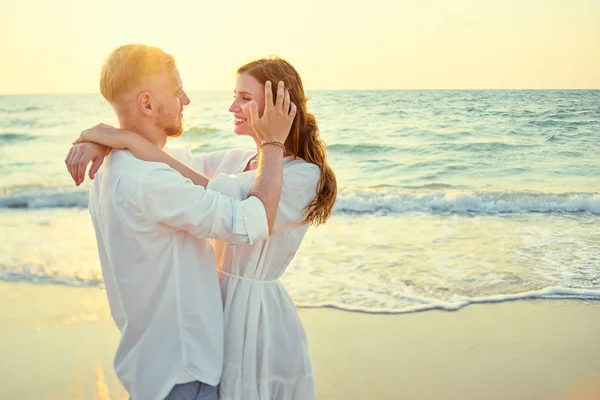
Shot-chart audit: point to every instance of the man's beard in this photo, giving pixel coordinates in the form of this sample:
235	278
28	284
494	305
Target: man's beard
170	128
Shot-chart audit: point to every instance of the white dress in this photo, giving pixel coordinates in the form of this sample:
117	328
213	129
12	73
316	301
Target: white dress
266	352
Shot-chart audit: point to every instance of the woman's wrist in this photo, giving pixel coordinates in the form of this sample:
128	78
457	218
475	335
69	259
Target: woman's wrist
275	143
133	141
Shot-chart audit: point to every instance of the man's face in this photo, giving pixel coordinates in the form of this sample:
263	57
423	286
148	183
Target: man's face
171	99
246	88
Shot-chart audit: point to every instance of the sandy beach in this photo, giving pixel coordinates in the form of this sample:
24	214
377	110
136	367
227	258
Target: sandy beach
58	342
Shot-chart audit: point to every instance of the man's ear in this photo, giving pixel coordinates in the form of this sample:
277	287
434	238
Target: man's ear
145	103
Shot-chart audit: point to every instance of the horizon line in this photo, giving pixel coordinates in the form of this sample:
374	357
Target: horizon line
325	90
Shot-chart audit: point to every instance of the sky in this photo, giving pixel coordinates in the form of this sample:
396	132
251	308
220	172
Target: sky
58	46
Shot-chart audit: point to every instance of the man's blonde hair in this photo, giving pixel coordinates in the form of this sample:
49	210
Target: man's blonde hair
127	65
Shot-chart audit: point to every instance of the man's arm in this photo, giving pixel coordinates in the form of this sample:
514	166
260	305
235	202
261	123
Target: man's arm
299	189
207	163
170	202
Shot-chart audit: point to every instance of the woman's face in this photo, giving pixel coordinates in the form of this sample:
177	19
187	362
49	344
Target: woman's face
246	88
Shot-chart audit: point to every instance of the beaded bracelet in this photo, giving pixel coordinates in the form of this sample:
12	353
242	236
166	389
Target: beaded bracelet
274	143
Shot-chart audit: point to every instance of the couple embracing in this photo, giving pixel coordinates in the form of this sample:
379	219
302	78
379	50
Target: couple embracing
204	319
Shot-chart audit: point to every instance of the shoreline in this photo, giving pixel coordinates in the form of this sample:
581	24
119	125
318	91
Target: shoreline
58	343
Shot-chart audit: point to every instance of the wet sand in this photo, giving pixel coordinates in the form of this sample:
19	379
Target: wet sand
57	342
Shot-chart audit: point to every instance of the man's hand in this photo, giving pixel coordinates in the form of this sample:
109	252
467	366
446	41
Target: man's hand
80	155
277	119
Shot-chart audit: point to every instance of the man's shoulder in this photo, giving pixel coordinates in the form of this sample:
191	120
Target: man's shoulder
125	178
129	173
118	159
119	167
124	163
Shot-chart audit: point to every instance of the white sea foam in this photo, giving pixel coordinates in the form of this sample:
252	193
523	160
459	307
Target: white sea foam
411	302
397	202
362	201
418	303
43	197
41	275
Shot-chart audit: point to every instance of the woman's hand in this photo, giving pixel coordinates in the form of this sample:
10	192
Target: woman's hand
80	155
109	136
278	117
141	147
94	144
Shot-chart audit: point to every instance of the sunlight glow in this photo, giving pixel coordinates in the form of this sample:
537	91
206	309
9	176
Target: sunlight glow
59	46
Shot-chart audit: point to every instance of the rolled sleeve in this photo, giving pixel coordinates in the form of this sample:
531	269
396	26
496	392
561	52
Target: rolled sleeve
251	219
229	185
251	214
207	163
171	201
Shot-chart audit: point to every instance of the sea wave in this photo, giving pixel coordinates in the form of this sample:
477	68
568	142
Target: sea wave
34	197
14	137
419	304
440	202
360	148
488	146
40	274
380	200
20	122
411	303
201	130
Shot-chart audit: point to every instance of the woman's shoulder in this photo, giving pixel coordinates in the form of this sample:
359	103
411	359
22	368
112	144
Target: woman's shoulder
302	168
233	158
299	163
239	153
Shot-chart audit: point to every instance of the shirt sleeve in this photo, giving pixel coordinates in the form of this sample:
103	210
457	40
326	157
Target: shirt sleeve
298	191
207	163
230	185
169	200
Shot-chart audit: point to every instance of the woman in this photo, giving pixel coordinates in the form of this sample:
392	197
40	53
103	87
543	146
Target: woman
266	352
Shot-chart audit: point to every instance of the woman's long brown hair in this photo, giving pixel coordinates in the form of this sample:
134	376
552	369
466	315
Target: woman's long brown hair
304	140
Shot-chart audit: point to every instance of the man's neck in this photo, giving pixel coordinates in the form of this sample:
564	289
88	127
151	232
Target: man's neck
151	132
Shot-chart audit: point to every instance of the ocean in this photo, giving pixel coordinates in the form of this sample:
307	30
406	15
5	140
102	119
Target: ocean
446	198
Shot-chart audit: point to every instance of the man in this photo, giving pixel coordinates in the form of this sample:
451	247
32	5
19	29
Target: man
151	226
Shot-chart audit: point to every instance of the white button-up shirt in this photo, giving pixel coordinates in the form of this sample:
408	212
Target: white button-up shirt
159	270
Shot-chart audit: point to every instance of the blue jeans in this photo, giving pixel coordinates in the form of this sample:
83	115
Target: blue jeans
193	391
